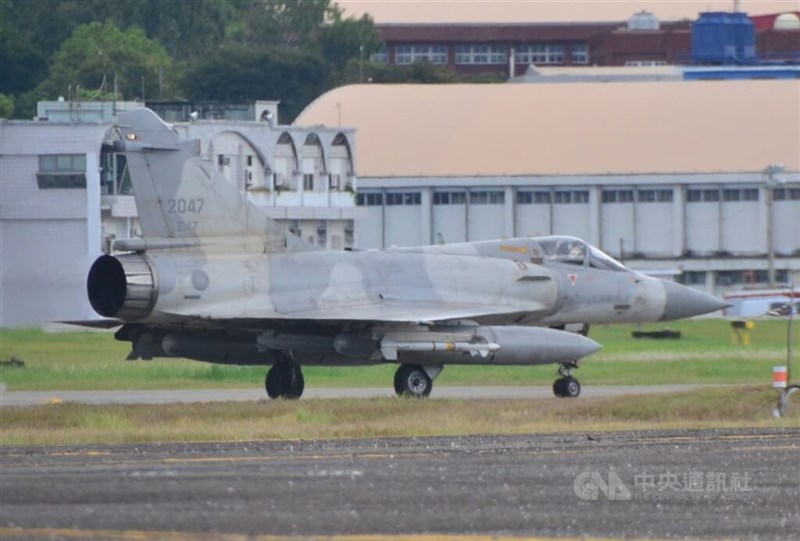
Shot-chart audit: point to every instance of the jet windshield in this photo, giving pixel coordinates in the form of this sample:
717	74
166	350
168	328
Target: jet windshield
576	252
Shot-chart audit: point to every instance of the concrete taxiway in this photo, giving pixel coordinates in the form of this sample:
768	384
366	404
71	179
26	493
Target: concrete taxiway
31	398
715	484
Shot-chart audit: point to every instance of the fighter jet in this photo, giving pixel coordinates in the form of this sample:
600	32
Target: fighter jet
214	279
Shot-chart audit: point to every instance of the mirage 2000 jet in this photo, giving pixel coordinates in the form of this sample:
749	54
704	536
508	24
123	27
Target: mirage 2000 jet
214	279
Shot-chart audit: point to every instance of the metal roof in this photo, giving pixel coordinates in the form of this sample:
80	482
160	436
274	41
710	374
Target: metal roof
567	129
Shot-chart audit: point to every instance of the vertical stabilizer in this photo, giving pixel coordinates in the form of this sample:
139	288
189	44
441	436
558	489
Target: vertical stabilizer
179	195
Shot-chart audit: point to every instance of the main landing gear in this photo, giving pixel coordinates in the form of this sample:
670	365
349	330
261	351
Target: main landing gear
567	386
285	380
413	381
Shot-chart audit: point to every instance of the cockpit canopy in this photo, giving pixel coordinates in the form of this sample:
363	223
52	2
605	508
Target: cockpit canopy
574	251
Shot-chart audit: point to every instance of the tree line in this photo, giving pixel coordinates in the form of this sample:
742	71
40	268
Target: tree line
291	50
230	50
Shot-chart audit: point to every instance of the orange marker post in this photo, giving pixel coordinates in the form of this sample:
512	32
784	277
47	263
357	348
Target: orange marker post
780	377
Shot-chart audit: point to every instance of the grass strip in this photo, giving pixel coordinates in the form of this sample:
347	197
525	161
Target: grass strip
73	424
706	353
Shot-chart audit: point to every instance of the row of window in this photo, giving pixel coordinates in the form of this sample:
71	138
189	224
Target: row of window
535	53
409	54
729	278
542	197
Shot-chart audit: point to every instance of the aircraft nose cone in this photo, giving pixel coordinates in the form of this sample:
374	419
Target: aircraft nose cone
682	301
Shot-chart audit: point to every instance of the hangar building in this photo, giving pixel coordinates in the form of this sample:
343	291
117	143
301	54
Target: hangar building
664	175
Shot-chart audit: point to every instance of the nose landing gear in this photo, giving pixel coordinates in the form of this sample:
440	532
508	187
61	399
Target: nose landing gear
567	386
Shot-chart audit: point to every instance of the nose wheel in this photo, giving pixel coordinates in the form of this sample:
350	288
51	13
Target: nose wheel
285	380
567	386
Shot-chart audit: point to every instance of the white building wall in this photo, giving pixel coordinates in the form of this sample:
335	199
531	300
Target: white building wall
617	223
403	225
533	220
654	229
48	237
786	221
702	224
486	222
572	219
704	237
369	232
735	238
448	221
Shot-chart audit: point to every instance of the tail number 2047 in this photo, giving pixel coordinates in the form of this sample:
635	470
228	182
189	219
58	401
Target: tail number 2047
185	206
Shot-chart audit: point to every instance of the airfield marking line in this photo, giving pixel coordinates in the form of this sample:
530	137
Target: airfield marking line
135	535
759	449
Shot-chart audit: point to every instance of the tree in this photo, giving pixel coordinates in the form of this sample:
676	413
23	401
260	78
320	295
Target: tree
350	38
240	73
6	106
98	54
284	23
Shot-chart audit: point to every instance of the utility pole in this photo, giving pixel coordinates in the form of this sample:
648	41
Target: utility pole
772	183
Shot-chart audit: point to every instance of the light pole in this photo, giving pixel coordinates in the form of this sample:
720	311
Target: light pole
772	183
361	63
789	388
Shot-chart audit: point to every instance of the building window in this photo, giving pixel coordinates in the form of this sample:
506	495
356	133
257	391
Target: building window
617	196
369	199
655	196
449	198
432	54
61	171
381	56
580	53
481	54
705	196
729	278
533	198
784	194
487	198
308	182
694	278
572	197
540	53
750	194
736	194
403	198
322	235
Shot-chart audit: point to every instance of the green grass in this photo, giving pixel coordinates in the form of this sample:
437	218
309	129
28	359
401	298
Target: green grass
705	354
74	424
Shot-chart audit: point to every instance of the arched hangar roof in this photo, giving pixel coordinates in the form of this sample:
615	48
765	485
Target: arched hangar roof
567	129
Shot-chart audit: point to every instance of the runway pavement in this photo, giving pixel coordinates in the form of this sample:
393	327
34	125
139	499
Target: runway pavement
30	398
739	484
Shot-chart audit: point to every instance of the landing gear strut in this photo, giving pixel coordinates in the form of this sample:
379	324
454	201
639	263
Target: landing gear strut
285	380
567	386
413	381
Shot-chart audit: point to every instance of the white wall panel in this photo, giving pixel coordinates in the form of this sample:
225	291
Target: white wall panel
449	221
617	222
44	266
533	220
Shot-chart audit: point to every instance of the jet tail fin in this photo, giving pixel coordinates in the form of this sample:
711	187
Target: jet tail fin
181	196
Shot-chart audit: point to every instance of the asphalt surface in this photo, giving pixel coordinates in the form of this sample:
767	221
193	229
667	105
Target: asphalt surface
31	398
742	484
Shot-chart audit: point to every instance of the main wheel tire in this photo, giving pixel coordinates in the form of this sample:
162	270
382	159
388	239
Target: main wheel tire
412	381
568	387
558	387
285	380
572	388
